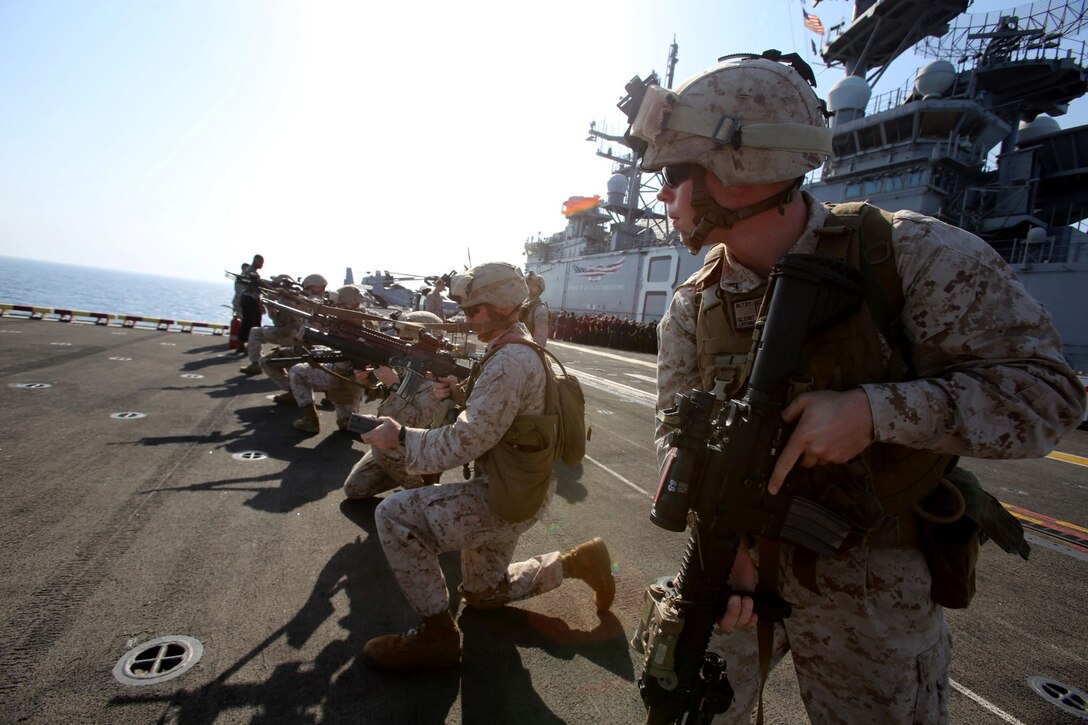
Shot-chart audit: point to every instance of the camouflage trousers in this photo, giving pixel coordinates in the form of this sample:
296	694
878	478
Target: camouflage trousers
870	647
379	471
276	373
417	525
271	335
305	379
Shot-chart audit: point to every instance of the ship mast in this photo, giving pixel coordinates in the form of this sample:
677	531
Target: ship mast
670	64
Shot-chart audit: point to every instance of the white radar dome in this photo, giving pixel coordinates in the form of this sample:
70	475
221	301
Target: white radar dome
851	93
1036	235
617	184
934	78
1041	126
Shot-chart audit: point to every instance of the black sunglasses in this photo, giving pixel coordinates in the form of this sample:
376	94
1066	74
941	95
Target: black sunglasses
676	174
471	310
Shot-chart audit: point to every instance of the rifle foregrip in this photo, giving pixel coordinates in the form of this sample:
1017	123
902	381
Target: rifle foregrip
703	588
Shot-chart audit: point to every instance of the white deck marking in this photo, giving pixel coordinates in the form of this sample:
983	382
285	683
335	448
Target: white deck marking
608	470
612	356
634	395
986	704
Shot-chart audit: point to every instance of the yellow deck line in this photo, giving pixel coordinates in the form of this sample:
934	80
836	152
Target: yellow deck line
1068	458
1071	526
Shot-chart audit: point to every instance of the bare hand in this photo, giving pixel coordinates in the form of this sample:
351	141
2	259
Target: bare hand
385	436
386	375
832	427
447	387
739	612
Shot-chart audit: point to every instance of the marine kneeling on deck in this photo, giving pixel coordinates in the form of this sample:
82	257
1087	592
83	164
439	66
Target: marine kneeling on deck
484	516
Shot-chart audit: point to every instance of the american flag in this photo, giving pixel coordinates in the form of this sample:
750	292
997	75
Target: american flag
597	272
813	23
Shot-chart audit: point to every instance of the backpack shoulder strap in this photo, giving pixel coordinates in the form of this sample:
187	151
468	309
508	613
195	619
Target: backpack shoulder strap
883	286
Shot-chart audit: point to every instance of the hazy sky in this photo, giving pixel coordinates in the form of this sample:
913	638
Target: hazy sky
182	136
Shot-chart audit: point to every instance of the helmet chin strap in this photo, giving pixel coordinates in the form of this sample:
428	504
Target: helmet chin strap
709	214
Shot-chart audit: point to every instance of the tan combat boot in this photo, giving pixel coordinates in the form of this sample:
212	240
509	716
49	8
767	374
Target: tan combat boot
251	369
308	423
590	563
287	398
436	642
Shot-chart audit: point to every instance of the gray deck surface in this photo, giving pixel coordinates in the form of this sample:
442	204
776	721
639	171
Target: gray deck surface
116	532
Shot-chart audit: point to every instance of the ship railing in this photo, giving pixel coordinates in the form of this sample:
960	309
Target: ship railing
1070	49
109	319
1048	251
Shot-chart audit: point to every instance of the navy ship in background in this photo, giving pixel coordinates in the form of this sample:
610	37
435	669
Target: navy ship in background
973	141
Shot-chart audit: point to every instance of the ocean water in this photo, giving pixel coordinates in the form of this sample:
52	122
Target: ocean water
68	286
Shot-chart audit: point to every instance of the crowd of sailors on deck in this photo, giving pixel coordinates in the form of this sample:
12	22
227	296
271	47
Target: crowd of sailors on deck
619	333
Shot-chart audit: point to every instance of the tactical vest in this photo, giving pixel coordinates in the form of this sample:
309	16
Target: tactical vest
867	348
526	315
519	467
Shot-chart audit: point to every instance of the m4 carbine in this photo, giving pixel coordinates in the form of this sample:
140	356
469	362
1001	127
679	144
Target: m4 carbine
715	477
370	347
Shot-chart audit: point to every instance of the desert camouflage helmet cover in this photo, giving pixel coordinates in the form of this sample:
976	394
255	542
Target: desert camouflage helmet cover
748	119
535	283
496	283
349	296
314	280
408	332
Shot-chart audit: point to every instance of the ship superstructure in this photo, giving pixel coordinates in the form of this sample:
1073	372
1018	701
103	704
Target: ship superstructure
617	255
972	140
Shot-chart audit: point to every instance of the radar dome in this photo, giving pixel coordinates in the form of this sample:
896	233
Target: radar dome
1041	126
934	78
617	189
851	93
617	184
1036	235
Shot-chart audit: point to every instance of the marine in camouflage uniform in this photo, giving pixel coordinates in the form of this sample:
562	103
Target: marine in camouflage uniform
285	330
409	402
345	395
433	301
337	381
417	525
535	313
869	644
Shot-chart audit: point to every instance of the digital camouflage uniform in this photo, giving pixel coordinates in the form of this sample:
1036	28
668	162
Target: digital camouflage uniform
378	471
305	379
433	303
417	525
872	646
286	331
537	320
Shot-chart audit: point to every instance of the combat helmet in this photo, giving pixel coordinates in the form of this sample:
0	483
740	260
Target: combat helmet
535	283
411	332
350	297
750	119
314	280
496	283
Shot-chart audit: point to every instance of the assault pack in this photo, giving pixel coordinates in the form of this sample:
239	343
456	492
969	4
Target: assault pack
520	466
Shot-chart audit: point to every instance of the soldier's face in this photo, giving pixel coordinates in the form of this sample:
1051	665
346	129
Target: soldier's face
677	199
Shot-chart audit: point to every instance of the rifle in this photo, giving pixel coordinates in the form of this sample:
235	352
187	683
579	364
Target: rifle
715	478
265	285
370	347
318	357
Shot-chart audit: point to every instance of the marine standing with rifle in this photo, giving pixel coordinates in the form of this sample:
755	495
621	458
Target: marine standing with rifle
507	431
948	356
